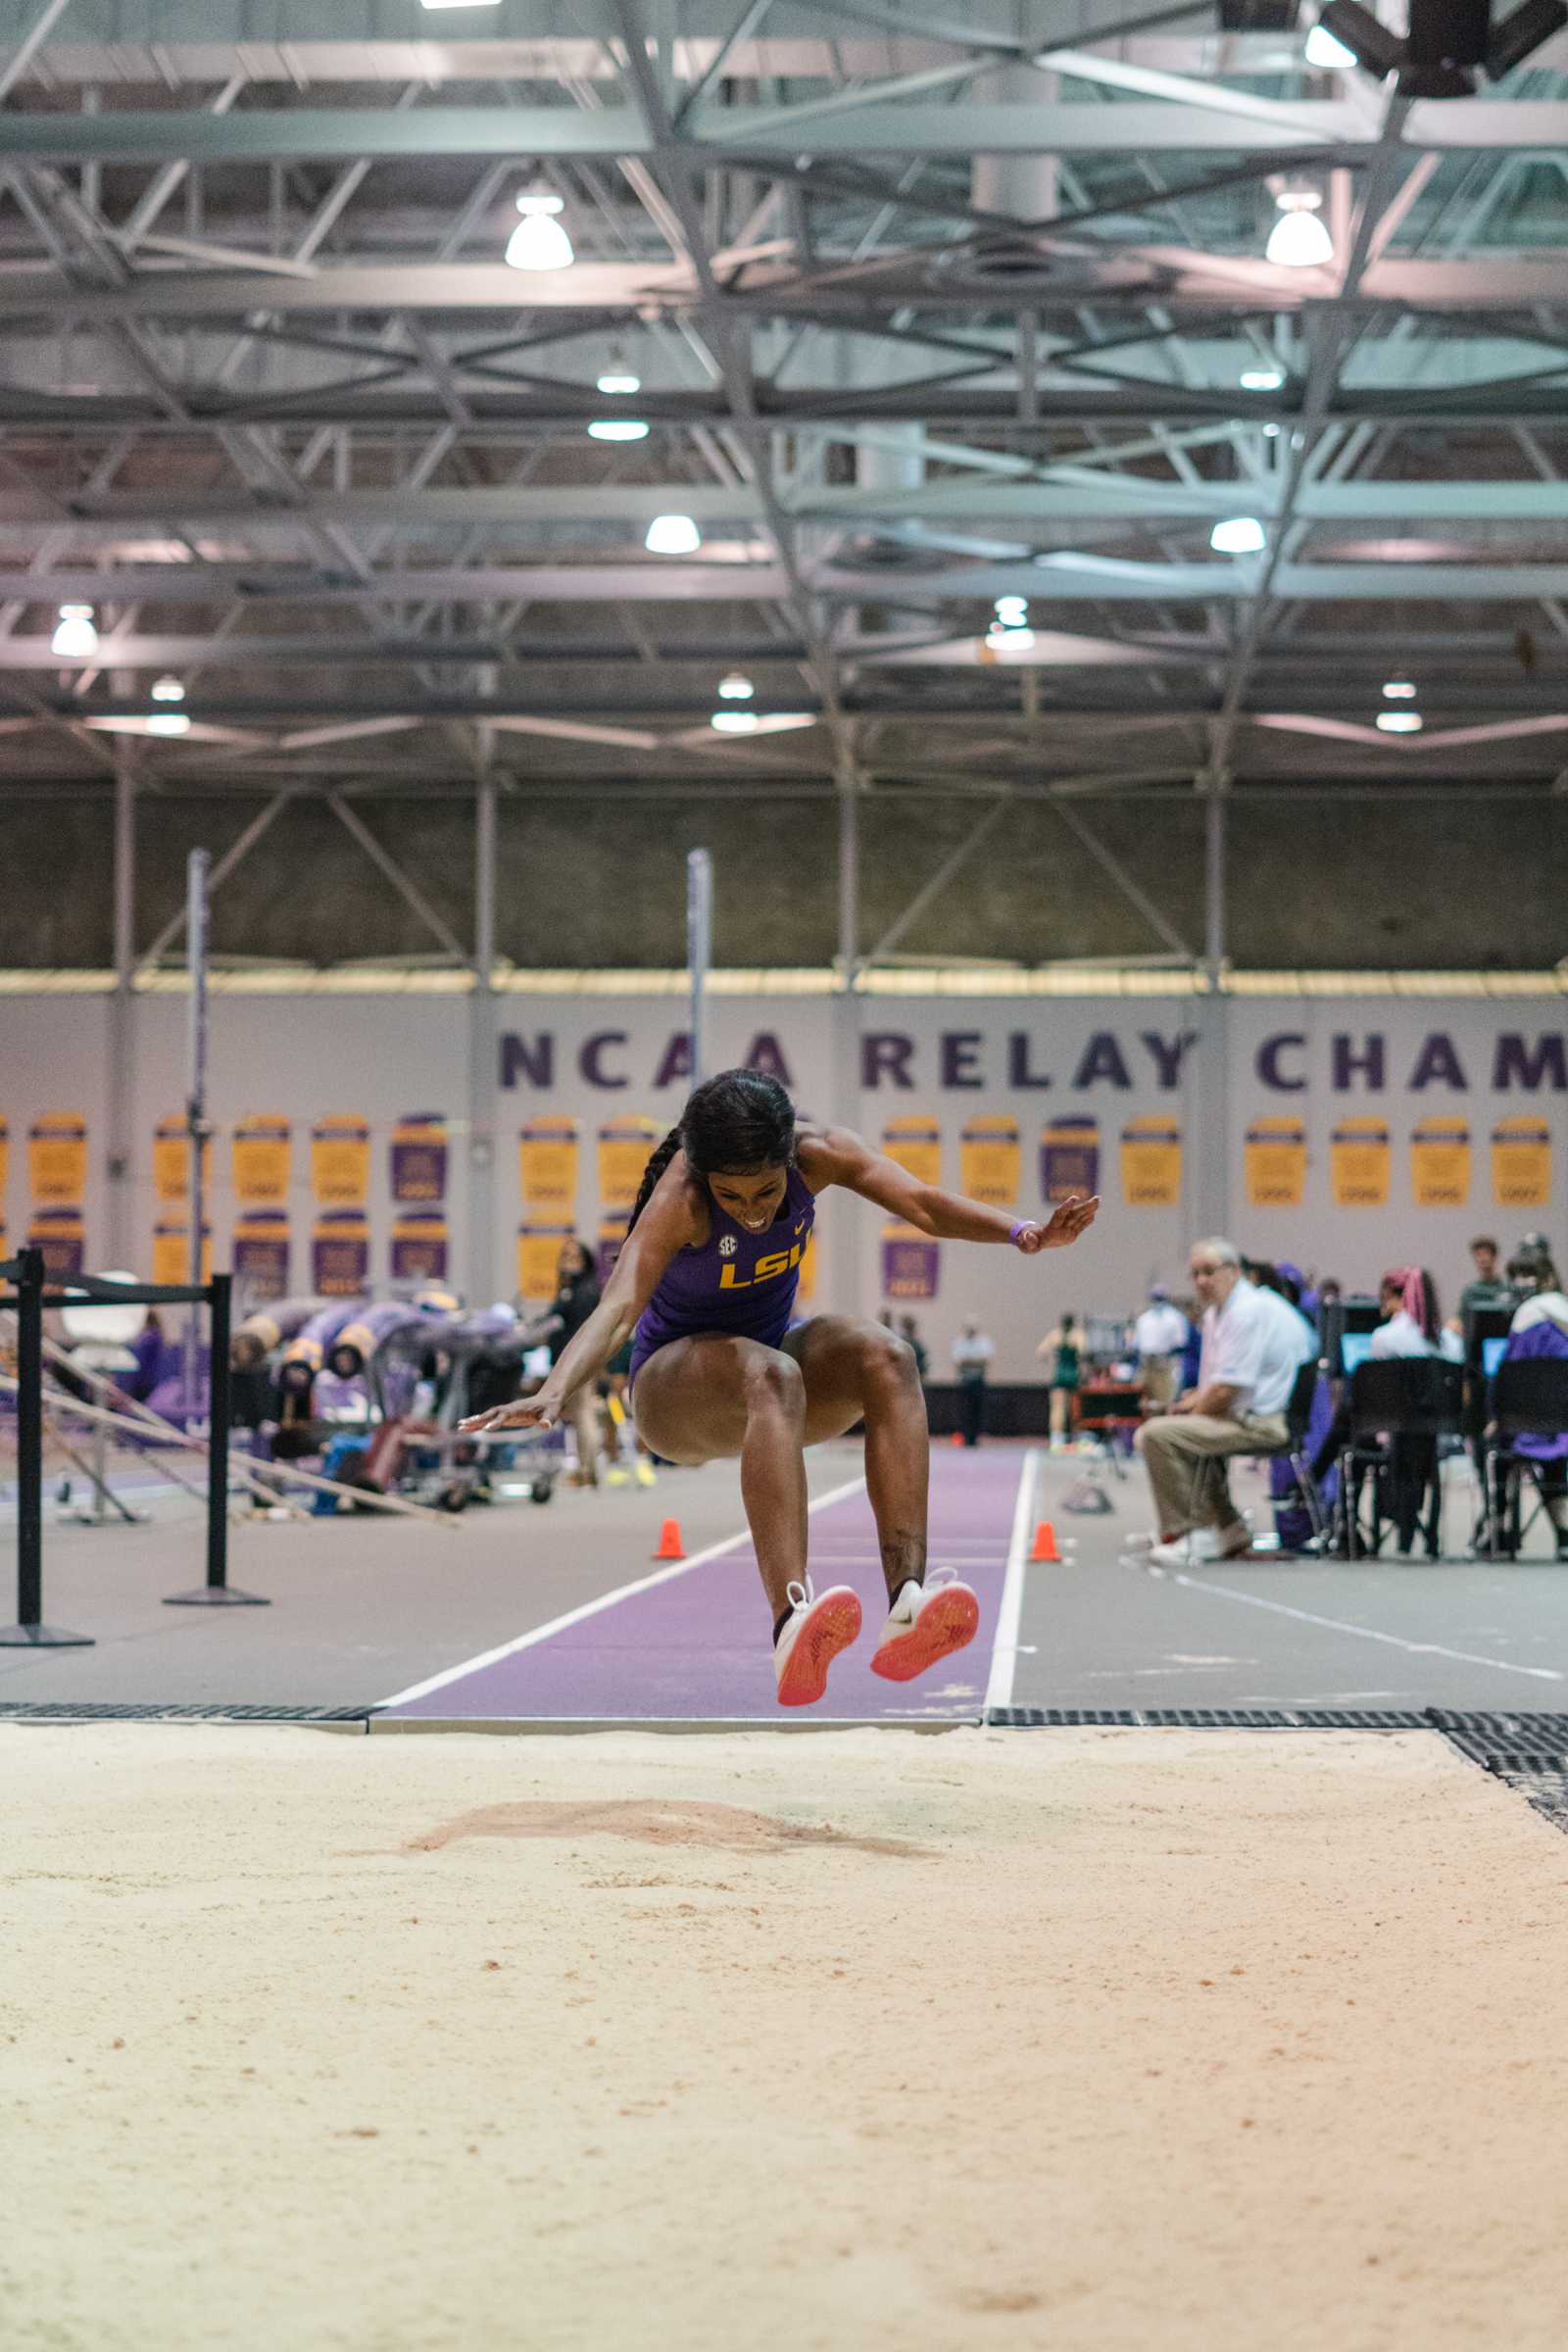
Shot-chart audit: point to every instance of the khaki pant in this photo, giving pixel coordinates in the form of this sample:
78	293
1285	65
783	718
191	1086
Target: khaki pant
1185	1455
1159	1380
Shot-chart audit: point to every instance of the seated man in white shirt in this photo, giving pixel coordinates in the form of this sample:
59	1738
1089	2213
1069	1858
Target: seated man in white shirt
1254	1342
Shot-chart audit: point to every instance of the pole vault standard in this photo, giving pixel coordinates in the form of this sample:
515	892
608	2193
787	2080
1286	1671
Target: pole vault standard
196	1105
699	951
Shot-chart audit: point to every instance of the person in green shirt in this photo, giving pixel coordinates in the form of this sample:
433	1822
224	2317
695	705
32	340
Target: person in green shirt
1061	1349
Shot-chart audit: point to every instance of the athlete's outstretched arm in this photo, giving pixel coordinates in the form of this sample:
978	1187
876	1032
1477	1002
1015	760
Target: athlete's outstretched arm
837	1155
665	1225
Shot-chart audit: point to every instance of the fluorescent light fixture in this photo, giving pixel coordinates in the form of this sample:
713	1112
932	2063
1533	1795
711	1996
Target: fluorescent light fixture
1322	50
539	241
1298	239
1399	722
1399	689
169	722
1012	610
168	690
734	722
672	535
618	429
1271	432
618	377
1263	379
1238	535
75	634
459	3
736	687
1003	639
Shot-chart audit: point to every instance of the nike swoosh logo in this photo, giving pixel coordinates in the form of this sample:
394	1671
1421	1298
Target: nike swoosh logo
801	1227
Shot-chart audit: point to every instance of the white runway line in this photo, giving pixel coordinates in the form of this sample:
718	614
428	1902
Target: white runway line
1004	1648
605	1600
1338	1625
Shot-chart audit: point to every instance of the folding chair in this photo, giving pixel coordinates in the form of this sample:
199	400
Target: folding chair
1398	1410
1294	1446
1529	1398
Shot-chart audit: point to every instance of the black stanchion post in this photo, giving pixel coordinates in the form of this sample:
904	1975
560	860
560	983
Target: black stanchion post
30	1631
218	1593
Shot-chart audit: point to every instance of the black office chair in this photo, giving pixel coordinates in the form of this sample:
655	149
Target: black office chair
1400	1409
1529	1398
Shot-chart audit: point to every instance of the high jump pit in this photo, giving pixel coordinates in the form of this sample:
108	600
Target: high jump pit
1080	2037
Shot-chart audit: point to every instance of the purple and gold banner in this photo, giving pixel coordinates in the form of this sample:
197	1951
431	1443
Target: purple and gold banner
261	1252
538	1251
989	1161
1069	1157
419	1239
916	1145
419	1157
171	1249
172	1160
1440	1164
56	1159
1152	1163
61	1237
612	1242
262	1150
624	1144
1274	1163
1358	1163
340	1161
1521	1162
340	1253
910	1262
547	1166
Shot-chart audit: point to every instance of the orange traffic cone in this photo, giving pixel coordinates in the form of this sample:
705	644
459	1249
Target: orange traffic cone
1044	1545
671	1546
956	1438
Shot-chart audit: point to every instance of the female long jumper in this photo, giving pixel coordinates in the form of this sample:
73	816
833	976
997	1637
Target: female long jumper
705	1288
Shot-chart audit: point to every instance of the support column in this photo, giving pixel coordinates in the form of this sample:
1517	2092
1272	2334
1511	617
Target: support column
480	1256
1211	1159
1214	880
119	1241
844	1232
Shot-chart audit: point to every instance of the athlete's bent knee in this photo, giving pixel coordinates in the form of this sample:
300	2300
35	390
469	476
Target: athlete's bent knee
888	1365
771	1382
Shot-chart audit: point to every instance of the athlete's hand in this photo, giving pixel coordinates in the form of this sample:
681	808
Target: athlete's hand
539	1412
1073	1218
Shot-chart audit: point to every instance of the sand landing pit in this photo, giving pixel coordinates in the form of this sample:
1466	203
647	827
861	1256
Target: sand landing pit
1084	2038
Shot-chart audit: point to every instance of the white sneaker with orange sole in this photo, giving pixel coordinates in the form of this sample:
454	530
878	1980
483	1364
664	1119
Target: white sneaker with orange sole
822	1624
926	1622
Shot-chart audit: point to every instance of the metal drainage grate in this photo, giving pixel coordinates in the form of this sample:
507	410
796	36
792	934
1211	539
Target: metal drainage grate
100	1711
1213	1719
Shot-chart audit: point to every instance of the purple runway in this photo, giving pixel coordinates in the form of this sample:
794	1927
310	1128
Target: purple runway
693	1645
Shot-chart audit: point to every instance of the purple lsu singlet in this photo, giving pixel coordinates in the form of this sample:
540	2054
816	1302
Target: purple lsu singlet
738	1282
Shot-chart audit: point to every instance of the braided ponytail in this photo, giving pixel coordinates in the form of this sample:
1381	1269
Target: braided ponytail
739	1120
659	1161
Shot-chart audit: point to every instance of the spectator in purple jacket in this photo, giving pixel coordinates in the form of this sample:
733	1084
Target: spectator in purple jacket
1539	1328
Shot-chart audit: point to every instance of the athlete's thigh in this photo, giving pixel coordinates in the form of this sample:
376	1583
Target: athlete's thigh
834	1354
689	1402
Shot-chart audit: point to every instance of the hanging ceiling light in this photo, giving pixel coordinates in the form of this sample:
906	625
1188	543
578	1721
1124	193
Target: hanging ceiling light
540	240
168	690
1002	638
1012	610
618	429
1322	50
618	377
1238	535
672	535
734	722
1298	239
1261	379
736	687
1399	689
74	633
169	722
1399	722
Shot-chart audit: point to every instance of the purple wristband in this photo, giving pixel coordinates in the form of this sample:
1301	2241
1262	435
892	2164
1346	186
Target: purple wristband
1019	1225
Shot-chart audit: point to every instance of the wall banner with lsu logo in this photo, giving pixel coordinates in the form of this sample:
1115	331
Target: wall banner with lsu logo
419	1240
1521	1162
989	1161
1069	1157
1358	1163
419	1158
1274	1163
910	1262
1152	1163
171	1249
538	1251
340	1161
61	1237
548	1151
340	1253
612	1242
57	1157
172	1161
623	1147
1440	1164
260	1160
261	1252
916	1145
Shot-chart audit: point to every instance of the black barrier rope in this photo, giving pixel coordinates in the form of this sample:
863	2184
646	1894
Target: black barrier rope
25	1272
